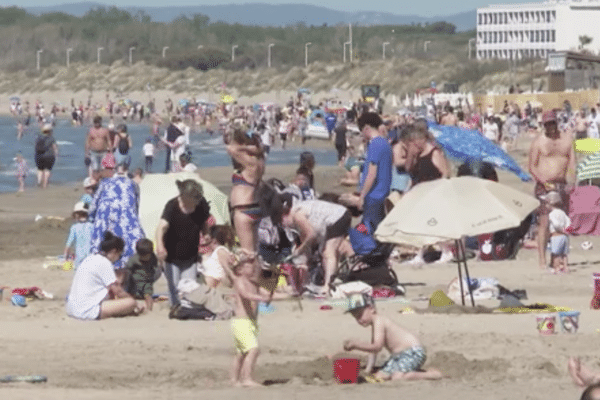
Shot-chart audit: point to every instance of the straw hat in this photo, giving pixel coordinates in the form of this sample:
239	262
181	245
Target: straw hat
47	128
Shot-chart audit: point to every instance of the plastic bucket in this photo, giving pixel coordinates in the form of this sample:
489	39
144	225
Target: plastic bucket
569	321
345	370
546	324
596	282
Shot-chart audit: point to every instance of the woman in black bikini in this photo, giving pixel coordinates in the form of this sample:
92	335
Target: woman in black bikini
249	161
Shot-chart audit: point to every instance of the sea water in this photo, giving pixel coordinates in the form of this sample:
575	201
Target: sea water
207	151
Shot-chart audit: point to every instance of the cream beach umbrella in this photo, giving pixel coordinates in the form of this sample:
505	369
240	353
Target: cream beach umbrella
450	209
157	189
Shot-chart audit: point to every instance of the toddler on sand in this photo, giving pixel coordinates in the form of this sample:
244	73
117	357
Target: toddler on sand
80	234
559	221
407	353
142	271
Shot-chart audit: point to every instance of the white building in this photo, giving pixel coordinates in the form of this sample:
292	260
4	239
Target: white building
529	30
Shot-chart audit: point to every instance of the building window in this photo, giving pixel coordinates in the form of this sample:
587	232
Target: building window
553	36
537	36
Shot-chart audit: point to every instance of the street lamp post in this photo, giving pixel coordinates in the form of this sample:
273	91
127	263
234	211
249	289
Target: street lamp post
233	52
37	58
384	44
131	49
425	45
346	44
165	51
470	46
69	50
306	54
99	50
269	55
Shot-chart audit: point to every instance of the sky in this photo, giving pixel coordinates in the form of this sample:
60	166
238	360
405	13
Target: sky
425	8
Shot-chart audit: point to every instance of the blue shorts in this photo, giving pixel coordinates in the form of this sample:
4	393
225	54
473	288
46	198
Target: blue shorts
559	245
406	361
96	159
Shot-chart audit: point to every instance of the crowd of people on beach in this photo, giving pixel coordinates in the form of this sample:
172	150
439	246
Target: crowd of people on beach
285	224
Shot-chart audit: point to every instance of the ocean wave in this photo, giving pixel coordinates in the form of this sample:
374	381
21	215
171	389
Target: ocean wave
64	143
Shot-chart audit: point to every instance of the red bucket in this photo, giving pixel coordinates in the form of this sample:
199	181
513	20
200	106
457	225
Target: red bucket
345	370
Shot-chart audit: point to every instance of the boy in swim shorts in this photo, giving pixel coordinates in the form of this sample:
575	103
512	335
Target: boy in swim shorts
407	353
244	325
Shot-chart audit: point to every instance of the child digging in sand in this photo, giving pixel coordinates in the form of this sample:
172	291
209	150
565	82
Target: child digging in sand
244	325
407	353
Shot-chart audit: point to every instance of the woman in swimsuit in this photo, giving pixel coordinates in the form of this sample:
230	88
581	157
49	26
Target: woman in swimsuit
249	161
425	160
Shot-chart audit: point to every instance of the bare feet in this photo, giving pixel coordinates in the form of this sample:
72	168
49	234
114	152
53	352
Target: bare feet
250	383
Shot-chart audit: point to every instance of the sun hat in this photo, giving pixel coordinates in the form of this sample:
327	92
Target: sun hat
549	116
47	128
80	207
357	301
88	182
108	162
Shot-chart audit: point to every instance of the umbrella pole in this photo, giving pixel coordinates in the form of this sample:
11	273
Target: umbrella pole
459	261
464	258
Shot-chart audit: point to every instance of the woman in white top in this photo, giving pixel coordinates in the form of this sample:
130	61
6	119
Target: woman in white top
318	222
216	266
490	129
95	292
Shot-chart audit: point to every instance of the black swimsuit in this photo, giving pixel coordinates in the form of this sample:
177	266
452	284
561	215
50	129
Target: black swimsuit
424	170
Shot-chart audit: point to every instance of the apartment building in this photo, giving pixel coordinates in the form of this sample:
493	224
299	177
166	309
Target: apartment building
532	30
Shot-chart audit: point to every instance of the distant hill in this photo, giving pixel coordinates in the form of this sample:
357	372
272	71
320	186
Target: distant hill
272	15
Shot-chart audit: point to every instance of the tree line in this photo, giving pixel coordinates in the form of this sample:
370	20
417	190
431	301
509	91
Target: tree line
116	31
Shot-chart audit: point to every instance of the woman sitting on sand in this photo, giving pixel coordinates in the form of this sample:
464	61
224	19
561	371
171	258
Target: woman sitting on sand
95	292
215	265
249	162
115	209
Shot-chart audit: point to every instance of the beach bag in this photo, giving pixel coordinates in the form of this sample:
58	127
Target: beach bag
195	312
124	145
362	243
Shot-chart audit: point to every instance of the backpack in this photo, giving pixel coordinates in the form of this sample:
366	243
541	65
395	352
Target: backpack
42	145
124	145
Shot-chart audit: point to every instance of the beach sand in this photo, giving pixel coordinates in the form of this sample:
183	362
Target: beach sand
491	356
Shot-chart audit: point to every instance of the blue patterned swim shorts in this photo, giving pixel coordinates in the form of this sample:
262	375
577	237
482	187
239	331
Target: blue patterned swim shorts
406	361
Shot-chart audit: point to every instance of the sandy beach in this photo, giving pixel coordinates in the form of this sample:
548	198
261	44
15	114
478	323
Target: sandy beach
484	356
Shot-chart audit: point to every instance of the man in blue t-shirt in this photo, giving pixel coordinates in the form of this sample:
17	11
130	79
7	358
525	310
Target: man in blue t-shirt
377	173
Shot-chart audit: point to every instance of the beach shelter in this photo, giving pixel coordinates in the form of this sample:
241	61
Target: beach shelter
451	209
466	145
157	189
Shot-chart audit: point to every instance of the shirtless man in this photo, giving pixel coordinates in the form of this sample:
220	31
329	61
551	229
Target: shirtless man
581	125
97	144
552	164
448	118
